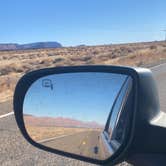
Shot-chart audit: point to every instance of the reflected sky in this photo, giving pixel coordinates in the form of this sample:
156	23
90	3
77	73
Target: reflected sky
81	96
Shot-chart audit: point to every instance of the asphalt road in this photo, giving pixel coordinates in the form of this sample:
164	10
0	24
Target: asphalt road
85	143
14	150
6	107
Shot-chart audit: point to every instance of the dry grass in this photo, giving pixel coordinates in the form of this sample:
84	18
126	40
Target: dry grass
13	64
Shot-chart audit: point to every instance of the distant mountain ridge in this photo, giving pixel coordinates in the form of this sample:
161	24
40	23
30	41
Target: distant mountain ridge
37	45
59	122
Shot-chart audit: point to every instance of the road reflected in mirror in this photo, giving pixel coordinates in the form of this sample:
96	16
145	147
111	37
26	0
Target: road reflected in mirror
72	112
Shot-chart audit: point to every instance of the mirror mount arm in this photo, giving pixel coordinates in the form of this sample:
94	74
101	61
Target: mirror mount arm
150	124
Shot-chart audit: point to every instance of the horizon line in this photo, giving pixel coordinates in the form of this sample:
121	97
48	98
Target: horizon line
77	45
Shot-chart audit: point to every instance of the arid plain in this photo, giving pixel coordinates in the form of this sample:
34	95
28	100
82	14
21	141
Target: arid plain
14	64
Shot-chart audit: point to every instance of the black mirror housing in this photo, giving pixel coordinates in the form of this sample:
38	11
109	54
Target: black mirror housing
145	110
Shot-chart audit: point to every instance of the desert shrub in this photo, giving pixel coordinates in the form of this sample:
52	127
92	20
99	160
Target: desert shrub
95	52
133	56
5	71
129	50
113	56
4	58
83	58
52	54
18	70
164	50
152	47
140	63
58	60
122	48
86	58
164	45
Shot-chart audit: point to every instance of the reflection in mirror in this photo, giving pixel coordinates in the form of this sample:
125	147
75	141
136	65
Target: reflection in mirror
77	112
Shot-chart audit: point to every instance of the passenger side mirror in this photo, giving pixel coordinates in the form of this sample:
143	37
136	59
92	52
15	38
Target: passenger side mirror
83	112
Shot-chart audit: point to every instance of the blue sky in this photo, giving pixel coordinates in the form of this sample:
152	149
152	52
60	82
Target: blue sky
75	22
81	96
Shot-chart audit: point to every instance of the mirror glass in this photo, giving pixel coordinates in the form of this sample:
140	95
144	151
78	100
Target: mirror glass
79	113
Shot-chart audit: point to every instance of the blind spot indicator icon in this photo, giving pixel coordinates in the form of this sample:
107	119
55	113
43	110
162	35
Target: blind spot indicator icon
47	83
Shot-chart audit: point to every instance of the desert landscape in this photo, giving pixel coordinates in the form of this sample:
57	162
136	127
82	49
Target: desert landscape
15	63
40	128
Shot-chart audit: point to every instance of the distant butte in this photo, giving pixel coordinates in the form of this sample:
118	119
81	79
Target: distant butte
37	45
